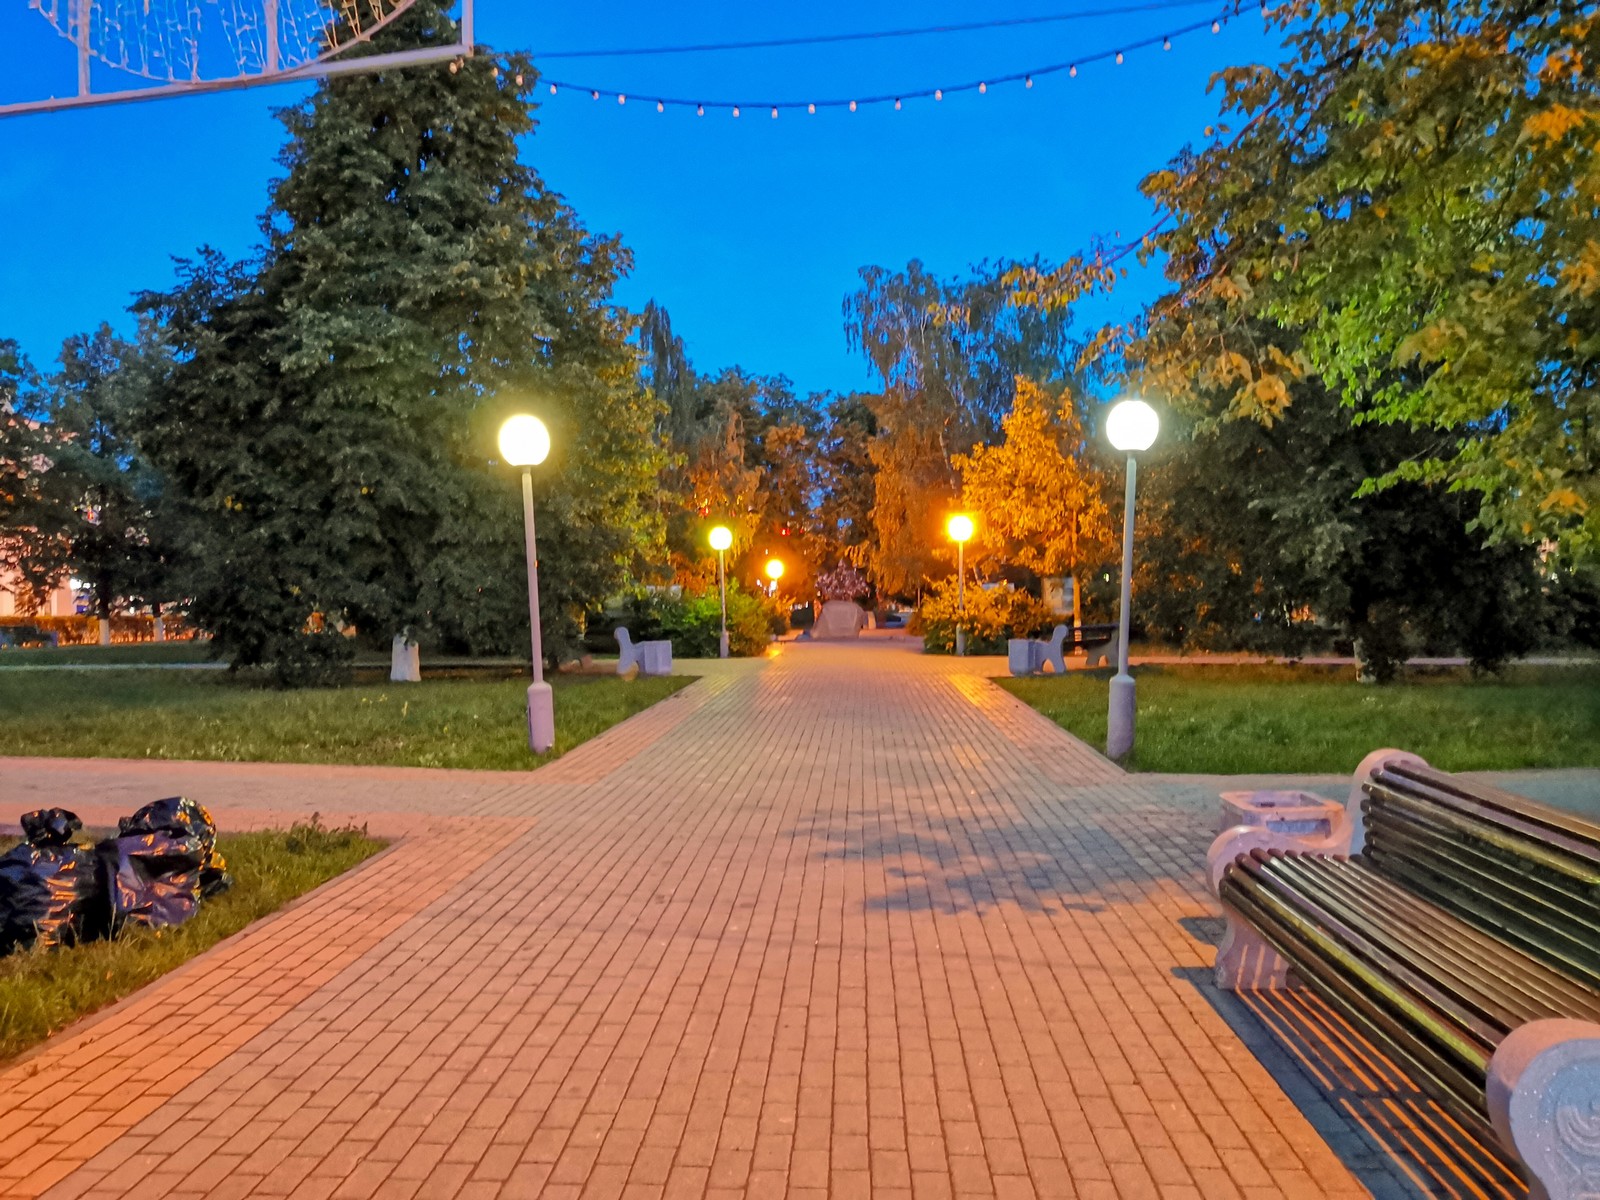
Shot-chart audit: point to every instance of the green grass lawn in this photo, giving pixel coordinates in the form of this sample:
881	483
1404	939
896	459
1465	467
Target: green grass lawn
41	991
132	653
471	723
1241	720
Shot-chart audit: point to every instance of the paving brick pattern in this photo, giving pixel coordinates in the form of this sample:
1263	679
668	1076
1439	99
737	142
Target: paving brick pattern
849	921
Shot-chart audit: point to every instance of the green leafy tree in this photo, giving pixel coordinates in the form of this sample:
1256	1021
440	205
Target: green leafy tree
36	511
1260	537
1413	191
125	534
846	484
331	407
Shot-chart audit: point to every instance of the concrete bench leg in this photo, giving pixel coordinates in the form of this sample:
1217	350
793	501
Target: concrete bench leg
1245	960
1544	1100
1103	656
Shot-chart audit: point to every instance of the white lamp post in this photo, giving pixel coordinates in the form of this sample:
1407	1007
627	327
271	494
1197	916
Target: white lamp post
721	539
1131	427
960	528
525	443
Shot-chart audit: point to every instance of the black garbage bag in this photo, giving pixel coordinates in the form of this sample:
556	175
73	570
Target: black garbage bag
152	878
182	817
50	891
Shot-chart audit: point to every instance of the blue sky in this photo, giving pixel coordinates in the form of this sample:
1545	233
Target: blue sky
750	231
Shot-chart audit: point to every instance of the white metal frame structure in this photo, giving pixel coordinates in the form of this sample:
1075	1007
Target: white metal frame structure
80	23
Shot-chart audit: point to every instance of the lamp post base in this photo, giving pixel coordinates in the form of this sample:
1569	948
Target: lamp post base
541	717
722	646
961	643
1119	718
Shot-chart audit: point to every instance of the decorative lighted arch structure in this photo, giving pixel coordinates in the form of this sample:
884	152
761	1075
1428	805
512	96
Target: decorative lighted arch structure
182	47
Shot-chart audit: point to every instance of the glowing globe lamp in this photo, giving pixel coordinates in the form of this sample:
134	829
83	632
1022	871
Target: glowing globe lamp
960	527
1132	425
721	538
524	441
774	569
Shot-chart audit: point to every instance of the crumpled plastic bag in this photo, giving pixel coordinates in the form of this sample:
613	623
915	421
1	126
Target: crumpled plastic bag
183	817
163	860
51	893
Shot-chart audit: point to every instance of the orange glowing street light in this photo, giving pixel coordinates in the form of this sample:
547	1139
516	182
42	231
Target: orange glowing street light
960	527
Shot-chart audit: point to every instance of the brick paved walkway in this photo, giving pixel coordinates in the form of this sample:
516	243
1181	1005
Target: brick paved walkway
845	921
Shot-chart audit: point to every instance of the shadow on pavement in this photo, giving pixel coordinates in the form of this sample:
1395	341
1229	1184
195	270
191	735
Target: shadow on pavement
1393	1139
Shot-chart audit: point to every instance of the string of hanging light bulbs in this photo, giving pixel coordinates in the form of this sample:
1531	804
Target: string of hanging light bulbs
737	108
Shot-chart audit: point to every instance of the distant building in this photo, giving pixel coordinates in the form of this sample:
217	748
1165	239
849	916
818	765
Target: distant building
60	603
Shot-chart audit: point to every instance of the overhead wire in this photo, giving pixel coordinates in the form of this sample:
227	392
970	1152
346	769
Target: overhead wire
937	93
825	39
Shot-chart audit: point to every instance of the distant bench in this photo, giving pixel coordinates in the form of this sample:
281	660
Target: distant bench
1029	657
1455	926
652	658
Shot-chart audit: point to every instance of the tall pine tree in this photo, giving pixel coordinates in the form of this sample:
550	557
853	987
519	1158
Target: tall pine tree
333	405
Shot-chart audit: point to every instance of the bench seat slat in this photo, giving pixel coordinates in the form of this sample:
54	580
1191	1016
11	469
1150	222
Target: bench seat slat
1337	905
1518	914
1490	988
1531	988
1460	1092
1481	867
1440	1026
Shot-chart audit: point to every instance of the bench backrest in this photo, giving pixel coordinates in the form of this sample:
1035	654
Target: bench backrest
1523	871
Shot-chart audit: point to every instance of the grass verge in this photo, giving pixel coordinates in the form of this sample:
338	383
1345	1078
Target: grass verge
42	991
131	654
472	723
1240	720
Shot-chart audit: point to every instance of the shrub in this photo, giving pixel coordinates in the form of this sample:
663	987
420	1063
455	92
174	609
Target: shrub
693	623
992	616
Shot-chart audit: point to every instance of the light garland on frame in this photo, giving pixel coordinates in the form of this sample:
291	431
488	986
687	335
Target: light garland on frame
981	86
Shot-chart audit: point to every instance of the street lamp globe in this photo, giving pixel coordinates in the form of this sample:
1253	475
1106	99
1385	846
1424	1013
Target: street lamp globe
960	527
721	537
1132	425
524	441
774	569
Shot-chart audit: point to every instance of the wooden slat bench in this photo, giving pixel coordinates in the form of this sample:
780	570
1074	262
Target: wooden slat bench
1027	656
1457	927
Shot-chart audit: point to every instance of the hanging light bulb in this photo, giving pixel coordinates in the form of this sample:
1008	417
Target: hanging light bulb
1028	82
938	93
594	95
1166	43
699	110
852	106
736	110
621	99
774	112
812	109
1216	27
494	72
552	89
519	78
983	89
455	65
1119	58
897	104
1073	72
660	107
